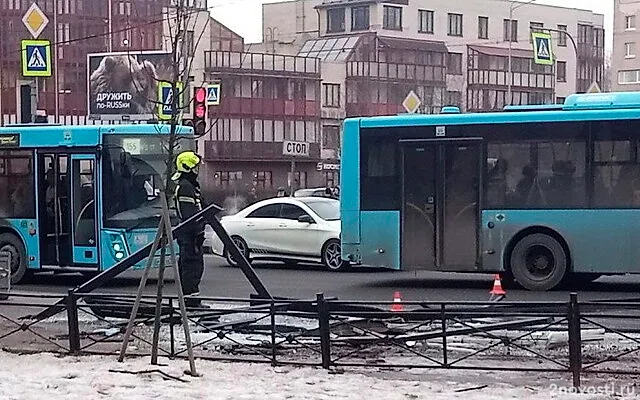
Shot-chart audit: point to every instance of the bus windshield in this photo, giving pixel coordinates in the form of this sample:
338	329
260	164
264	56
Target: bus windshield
133	168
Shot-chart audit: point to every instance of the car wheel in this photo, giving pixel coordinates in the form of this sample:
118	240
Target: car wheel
538	262
242	246
11	244
332	256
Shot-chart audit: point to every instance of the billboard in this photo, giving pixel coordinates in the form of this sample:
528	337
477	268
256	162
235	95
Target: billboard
126	85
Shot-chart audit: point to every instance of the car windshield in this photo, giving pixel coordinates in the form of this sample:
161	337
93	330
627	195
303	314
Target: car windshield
327	210
135	165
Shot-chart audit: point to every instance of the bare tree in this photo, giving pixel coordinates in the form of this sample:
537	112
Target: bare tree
182	39
182	20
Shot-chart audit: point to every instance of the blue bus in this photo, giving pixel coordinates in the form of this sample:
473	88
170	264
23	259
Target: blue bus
541	194
80	198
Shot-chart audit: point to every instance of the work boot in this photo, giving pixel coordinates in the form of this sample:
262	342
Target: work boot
193	301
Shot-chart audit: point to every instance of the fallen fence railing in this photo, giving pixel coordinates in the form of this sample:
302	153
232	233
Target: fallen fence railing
570	337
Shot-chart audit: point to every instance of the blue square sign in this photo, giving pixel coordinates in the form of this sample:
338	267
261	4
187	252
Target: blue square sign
36	58
213	94
166	99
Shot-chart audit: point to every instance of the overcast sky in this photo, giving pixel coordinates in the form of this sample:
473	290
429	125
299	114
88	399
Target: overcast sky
245	16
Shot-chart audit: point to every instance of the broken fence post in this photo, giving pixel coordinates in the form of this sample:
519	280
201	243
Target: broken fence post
575	340
325	330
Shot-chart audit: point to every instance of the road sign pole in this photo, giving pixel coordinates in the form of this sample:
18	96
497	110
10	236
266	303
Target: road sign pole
293	171
34	99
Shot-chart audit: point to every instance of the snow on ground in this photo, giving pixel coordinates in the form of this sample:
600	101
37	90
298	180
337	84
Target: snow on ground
27	377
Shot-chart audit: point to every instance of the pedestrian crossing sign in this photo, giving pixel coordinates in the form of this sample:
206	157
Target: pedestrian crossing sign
36	58
166	99
542	50
213	94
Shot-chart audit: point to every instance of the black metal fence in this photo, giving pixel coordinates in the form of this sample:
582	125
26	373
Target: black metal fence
565	337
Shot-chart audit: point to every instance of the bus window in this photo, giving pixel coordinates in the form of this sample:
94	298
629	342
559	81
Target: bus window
536	174
136	165
16	176
379	178
616	171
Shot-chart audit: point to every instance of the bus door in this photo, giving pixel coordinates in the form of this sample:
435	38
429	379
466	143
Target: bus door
54	220
440	210
83	197
67	209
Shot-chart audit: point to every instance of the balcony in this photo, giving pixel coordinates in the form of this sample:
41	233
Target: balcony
370	109
261	64
252	151
590	52
265	108
371	70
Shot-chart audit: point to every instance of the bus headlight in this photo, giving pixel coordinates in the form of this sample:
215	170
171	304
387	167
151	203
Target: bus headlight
118	250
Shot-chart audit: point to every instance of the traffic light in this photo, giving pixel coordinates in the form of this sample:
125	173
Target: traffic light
200	111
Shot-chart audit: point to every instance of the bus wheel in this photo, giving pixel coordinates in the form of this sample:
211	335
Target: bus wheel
538	262
13	245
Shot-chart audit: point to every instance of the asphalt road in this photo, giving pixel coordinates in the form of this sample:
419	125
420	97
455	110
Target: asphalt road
305	281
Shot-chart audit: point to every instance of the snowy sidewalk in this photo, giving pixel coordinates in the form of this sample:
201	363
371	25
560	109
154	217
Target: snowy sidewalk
51	377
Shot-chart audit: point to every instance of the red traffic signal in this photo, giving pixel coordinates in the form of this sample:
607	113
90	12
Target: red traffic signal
201	95
200	111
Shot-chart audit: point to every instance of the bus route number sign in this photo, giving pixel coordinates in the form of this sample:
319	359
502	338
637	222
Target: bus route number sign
131	145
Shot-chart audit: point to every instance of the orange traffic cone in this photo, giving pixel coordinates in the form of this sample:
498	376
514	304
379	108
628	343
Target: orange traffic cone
397	302
497	287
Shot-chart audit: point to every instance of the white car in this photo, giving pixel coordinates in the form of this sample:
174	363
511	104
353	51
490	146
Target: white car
289	229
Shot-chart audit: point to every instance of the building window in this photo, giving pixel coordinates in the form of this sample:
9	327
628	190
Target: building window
535	27
360	18
455	24
332	179
454	64
299	180
562	36
454	98
262	179
630	50
426	21
483	27
335	20
562	71
227	179
510	30
629	77
330	95
392	18
331	137
630	22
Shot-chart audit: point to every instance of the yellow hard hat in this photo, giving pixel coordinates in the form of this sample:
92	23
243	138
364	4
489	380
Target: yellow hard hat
187	161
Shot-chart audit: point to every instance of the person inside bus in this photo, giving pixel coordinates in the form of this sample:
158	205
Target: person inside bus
497	182
139	194
526	188
561	185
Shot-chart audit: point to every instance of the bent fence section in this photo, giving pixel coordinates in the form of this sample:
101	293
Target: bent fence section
570	337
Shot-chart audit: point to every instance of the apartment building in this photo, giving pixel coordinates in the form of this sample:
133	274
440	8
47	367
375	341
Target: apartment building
375	52
625	59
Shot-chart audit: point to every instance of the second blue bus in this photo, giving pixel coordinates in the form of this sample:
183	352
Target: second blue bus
543	195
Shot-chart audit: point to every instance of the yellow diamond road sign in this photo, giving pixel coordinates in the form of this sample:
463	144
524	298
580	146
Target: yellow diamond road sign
412	102
35	20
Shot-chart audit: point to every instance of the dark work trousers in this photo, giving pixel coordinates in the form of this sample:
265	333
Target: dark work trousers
190	265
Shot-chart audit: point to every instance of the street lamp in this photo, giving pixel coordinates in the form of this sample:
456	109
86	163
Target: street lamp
512	7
